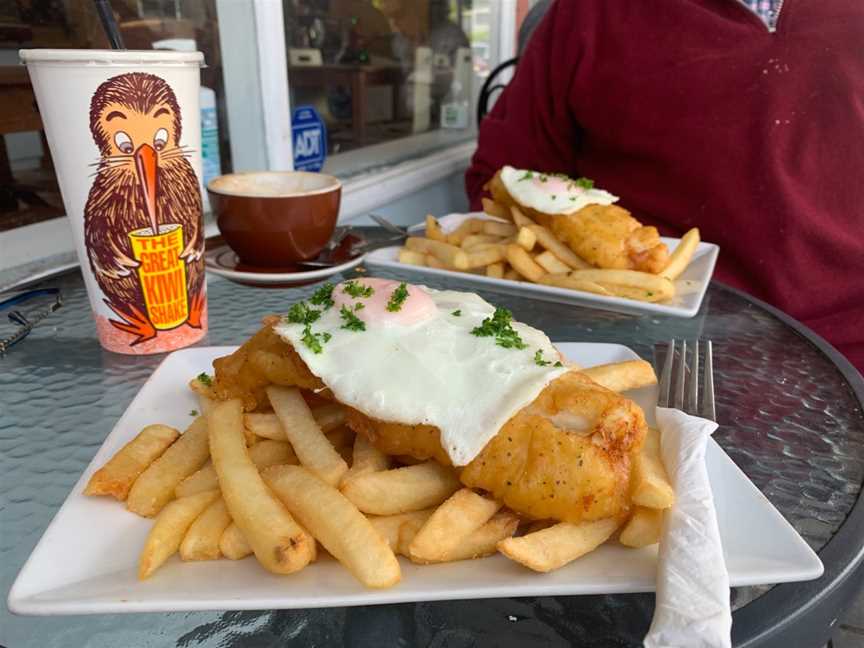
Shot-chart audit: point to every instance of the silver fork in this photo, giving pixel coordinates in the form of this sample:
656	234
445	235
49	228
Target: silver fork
678	380
387	225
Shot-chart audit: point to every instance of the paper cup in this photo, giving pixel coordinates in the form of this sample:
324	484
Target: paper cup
125	136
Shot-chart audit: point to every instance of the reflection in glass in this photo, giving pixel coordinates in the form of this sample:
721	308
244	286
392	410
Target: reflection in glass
28	188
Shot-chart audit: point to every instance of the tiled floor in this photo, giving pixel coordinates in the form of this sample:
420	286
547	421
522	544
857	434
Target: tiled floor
850	631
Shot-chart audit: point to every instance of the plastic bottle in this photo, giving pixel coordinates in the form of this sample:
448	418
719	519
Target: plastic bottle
211	165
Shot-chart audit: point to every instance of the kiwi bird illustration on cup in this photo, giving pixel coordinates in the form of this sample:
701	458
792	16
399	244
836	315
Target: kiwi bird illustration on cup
142	220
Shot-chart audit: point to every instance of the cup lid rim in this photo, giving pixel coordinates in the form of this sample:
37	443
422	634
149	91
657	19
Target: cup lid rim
109	57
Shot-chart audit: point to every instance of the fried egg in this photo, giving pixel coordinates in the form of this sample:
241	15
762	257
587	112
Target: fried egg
414	355
552	194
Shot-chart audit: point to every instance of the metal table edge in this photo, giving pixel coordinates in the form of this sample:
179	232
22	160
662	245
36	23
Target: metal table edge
767	618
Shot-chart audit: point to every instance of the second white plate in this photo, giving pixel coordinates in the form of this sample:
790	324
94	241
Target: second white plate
690	287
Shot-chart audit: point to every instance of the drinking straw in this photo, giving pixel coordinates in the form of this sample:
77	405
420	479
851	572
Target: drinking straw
106	17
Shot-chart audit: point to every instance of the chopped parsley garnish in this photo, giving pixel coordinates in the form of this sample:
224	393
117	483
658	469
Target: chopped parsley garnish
357	290
397	298
572	198
203	378
300	313
352	322
499	326
543	178
585	183
558	364
538	359
323	296
193	413
553	196
359	306
527	176
313	340
456	313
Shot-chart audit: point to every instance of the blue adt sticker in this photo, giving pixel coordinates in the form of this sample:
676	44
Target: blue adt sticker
310	139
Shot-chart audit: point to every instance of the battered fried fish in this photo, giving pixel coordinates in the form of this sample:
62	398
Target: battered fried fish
606	236
567	456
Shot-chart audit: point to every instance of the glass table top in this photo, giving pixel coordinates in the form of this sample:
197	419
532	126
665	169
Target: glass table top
788	417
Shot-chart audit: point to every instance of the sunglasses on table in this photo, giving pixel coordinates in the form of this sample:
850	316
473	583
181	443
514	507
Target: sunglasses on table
25	311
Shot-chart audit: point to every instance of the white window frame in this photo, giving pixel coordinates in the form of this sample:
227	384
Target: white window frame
259	124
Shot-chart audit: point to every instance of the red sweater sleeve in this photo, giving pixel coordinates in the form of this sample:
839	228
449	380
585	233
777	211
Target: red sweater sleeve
531	126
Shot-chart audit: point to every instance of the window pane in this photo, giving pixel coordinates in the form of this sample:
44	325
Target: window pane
392	79
28	188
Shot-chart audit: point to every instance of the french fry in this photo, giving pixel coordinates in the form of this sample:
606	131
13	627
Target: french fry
337	524
550	263
519	218
651	487
463	513
482	258
478	239
407	532
431	261
168	530
411	257
263	454
494	209
200	387
411	488
311	446
499	229
526	239
205	404
512	275
388	526
647	286
268	426
444	252
495	270
643	528
523	263
557	545
116	477
547	240
621	376
366	458
201	541
574	283
280	544
465	229
680	257
154	488
433	229
233	543
484	541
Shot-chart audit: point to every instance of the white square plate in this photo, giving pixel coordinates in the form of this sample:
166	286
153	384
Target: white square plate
690	286
86	561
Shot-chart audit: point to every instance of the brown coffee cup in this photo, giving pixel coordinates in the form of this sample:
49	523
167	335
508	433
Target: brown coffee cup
275	218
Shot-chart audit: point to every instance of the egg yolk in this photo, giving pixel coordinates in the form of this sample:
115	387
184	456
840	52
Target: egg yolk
417	307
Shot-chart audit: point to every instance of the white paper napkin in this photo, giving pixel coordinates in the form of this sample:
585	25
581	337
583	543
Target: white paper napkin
692	608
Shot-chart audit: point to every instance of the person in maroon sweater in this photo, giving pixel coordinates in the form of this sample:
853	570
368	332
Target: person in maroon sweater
697	113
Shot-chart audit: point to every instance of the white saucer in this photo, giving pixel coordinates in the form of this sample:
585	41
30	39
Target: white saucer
224	262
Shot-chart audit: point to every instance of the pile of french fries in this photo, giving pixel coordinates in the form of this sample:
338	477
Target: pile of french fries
522	250
289	484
